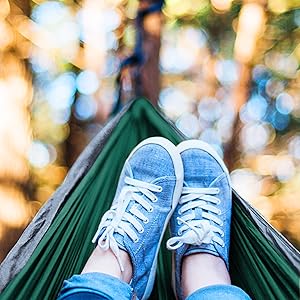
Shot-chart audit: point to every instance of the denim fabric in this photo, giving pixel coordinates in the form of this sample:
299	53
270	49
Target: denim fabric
95	286
154	161
203	170
98	286
216	292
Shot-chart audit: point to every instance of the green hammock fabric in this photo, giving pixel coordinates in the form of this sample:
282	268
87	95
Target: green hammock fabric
264	264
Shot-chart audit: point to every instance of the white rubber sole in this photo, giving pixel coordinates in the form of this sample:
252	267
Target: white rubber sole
178	168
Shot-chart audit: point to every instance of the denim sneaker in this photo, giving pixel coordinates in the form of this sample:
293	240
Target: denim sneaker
148	192
201	221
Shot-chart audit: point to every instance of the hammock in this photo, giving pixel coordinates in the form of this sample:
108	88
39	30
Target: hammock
57	243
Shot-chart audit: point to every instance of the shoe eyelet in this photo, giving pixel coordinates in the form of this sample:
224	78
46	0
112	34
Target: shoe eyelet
219	213
142	230
155	199
160	189
179	232
146	221
219	202
136	240
178	222
179	212
150	209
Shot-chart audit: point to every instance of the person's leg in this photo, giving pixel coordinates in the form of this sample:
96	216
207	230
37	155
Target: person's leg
95	286
213	283
101	278
200	226
130	233
216	292
192	276
106	262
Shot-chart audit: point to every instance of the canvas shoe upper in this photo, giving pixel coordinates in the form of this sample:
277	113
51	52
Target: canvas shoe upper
201	221
148	191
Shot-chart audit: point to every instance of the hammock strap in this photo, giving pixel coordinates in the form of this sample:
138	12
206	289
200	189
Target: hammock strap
137	58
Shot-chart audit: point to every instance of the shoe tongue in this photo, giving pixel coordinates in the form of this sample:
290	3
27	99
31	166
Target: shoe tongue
120	240
198	213
204	247
119	237
207	248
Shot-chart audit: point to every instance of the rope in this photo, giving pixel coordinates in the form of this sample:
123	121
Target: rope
138	57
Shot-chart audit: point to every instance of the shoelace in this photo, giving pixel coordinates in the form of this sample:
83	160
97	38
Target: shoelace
196	232
117	219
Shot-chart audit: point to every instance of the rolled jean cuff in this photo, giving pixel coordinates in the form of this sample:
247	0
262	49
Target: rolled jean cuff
97	285
220	291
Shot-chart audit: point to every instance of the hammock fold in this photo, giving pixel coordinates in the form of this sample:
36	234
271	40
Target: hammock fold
57	243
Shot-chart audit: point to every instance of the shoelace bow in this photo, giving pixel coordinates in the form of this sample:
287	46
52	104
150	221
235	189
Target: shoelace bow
117	219
196	232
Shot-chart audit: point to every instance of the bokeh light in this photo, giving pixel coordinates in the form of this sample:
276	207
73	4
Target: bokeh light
87	82
39	155
85	108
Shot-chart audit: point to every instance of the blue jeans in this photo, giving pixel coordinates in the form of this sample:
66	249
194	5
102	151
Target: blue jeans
98	286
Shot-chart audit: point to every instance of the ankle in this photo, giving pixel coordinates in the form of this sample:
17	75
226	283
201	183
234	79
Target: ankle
126	275
106	262
201	270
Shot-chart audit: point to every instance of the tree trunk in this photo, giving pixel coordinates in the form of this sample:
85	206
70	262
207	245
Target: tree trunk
144	80
240	95
150	74
244	51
